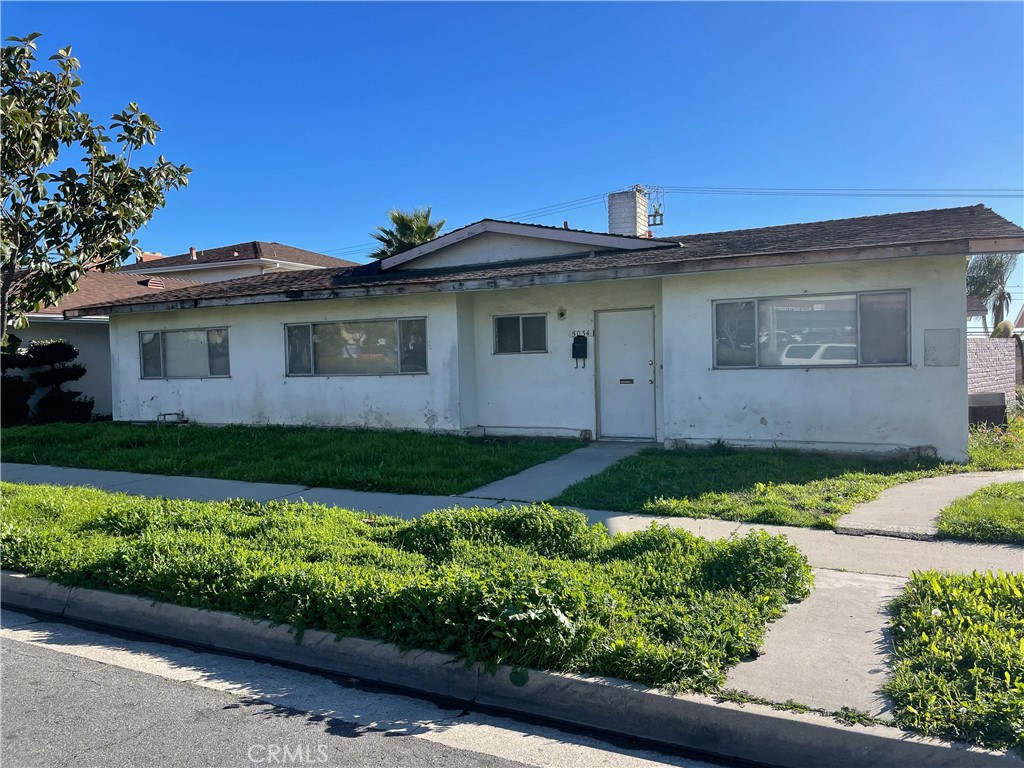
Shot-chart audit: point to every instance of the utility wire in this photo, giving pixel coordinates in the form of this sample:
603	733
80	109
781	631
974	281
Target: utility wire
532	214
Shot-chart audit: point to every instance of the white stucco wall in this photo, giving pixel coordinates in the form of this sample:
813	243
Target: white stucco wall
544	393
471	388
93	344
881	408
258	392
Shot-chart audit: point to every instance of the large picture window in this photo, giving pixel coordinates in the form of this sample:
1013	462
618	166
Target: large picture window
514	334
362	347
187	354
827	330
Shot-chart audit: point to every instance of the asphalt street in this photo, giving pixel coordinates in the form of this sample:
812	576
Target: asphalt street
75	697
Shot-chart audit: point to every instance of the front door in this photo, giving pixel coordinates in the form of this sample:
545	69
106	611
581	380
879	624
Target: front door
625	373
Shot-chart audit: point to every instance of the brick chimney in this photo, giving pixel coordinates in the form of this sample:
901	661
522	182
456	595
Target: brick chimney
150	256
627	212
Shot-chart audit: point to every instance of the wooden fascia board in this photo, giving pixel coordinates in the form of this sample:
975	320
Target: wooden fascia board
434	245
996	245
693	266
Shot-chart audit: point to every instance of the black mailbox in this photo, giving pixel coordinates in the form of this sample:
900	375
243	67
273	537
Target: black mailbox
579	347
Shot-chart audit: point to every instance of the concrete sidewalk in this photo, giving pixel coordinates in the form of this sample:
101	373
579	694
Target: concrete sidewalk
877	555
911	510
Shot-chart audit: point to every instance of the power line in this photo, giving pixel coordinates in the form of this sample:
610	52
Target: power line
851	192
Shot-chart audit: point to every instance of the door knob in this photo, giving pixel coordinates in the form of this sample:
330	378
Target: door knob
650	362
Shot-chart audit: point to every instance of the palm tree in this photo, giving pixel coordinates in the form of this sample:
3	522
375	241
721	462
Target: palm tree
987	277
407	231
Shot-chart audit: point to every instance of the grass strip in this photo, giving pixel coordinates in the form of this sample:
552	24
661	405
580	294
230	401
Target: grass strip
530	586
781	487
958	659
994	514
365	460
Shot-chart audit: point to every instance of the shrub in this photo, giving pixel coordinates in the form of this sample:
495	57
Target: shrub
529	586
51	369
14	396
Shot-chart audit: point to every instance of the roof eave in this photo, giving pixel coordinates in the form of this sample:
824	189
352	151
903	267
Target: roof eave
222	264
658	269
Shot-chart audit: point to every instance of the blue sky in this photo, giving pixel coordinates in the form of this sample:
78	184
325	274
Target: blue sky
306	122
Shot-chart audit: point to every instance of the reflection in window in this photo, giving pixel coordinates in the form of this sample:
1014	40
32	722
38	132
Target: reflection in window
365	347
850	329
805	320
735	334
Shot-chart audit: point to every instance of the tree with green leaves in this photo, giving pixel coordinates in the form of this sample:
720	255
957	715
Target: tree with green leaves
59	223
407	231
988	275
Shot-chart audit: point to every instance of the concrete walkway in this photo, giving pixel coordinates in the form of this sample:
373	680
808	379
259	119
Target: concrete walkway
912	509
548	480
828	651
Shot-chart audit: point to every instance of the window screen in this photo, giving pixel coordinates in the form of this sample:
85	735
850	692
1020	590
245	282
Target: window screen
520	333
189	354
735	334
883	328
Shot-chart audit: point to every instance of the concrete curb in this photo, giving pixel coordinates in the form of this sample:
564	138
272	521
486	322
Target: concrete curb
748	732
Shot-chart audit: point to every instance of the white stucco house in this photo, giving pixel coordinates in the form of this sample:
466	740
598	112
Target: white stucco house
838	335
152	274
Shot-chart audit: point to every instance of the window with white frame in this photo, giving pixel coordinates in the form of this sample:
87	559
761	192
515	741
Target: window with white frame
196	353
359	347
827	330
515	334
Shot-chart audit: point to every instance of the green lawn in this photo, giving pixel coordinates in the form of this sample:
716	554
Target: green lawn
771	487
994	514
958	658
365	460
530	586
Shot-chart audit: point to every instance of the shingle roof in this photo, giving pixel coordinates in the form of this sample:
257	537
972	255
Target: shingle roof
976	307
242	252
936	226
113	287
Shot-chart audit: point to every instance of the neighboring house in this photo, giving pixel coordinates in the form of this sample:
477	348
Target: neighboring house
993	365
686	340
231	261
976	310
90	334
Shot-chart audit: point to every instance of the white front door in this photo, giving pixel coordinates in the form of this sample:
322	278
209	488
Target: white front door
625	373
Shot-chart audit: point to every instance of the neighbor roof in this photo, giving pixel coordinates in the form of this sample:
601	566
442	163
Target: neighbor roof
241	252
112	287
976	307
908	234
